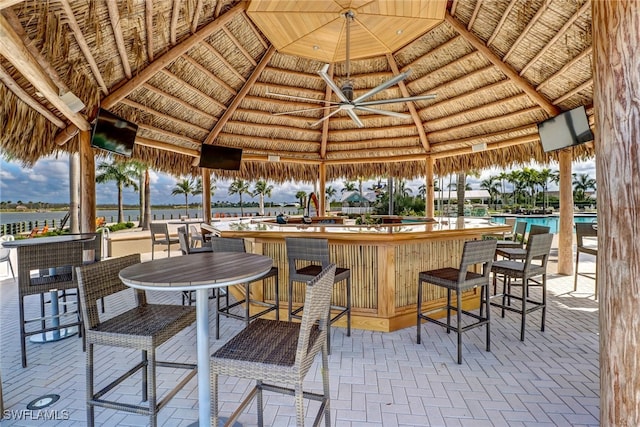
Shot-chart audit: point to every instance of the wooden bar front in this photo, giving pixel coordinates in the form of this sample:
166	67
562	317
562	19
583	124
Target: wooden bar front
384	260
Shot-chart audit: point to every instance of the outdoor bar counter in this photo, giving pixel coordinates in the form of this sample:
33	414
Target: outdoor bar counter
384	260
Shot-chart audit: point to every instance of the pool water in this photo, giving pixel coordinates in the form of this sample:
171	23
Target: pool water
550	221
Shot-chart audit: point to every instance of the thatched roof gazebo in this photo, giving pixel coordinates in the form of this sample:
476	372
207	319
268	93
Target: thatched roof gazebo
193	72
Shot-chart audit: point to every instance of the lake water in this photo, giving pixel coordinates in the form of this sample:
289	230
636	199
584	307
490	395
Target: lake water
550	221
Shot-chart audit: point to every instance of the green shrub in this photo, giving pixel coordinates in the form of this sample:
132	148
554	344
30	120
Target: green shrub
120	226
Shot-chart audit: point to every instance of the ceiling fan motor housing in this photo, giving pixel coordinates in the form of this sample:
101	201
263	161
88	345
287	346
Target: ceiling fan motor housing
347	90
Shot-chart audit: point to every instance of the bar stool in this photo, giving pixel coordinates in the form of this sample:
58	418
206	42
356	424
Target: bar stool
520	253
314	254
518	237
533	265
475	252
585	229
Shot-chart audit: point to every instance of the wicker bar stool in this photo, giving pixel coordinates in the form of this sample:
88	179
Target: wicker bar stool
475	252
143	327
313	255
518	237
533	265
520	253
590	247
278	355
229	244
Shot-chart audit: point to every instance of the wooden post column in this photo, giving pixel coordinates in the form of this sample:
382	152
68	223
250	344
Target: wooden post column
565	227
74	193
616	97
206	195
87	184
430	193
322	197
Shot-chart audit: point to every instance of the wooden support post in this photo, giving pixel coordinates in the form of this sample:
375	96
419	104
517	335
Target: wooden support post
206	195
74	193
565	228
616	95
322	197
430	193
87	184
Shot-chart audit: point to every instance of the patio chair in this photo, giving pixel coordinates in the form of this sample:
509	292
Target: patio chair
5	254
278	355
183	240
306	258
534	265
142	327
228	244
475	253
586	244
195	236
160	236
518	237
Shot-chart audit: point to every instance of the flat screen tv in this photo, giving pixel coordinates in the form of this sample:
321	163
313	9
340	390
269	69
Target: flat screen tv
565	130
113	133
218	157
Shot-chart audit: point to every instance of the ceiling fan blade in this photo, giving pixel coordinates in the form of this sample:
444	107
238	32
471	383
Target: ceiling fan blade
355	118
303	110
384	112
382	86
300	98
394	100
325	118
323	73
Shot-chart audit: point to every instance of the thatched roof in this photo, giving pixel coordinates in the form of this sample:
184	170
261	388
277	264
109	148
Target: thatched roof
194	71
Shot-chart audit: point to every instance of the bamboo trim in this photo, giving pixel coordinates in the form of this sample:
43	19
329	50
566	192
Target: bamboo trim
462	59
239	45
14	87
148	16
453	7
193	88
502	66
179	101
309	93
283	159
209	74
300	74
486	121
238	99
291	103
569	94
313	133
412	108
141	107
566	67
222	59
175	14
492	86
390	159
216	13
168	133
8	3
377	129
255	31
403	141
267	140
14	50
585	7
327	112
474	15
498	27
526	29
114	17
299	120
373	152
166	146
531	127
196	16
493	146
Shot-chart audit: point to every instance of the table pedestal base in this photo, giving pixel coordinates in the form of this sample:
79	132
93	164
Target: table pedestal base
53	335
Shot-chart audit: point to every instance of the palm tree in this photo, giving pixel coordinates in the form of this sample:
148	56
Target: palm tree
545	176
262	189
581	184
145	193
124	174
198	189
491	185
186	187
460	189
302	198
348	186
239	187
330	193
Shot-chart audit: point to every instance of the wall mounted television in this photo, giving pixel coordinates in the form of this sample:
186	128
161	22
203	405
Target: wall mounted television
565	130
113	133
218	157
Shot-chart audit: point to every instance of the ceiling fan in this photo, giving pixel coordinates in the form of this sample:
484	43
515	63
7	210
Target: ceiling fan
345	93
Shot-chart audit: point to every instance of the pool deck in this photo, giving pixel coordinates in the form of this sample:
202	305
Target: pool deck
376	379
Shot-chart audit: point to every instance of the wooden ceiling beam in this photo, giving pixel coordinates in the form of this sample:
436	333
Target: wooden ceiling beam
166	146
181	102
148	23
585	7
144	108
526	29
193	88
168	134
505	68
259	37
209	74
498	27
175	15
114	17
8	3
241	94
566	67
239	45
196	16
14	87
327	112
161	62
222	59
14	50
574	91
412	108
474	15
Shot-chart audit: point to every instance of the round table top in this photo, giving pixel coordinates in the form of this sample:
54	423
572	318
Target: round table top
196	271
48	240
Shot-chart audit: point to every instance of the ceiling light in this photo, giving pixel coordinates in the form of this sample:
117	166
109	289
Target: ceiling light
399	32
316	47
479	147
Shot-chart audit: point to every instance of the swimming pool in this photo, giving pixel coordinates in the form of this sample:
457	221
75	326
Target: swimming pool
550	221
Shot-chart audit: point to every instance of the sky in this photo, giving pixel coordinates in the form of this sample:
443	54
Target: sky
48	182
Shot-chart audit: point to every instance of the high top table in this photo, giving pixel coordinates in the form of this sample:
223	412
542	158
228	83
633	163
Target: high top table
199	272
